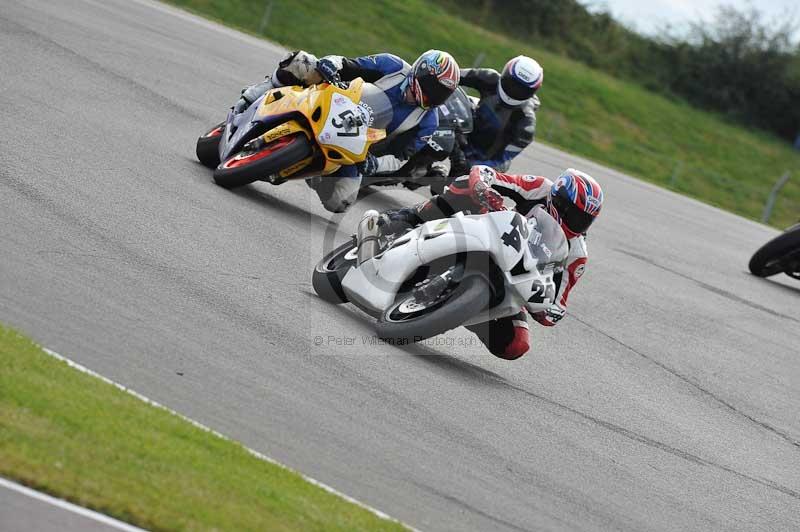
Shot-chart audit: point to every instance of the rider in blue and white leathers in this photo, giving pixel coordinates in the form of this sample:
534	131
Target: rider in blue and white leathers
505	118
414	92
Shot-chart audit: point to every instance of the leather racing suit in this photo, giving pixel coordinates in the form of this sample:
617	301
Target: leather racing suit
505	337
500	132
410	124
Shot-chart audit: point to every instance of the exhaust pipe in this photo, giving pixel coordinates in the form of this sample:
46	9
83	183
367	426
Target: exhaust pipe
367	236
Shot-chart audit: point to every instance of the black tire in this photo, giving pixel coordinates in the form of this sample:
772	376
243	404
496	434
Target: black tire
471	296
768	259
280	154
207	149
329	272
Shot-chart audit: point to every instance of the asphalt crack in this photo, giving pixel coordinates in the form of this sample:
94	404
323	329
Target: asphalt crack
706	286
659	445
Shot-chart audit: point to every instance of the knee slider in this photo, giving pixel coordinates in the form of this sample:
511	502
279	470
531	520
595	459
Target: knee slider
518	346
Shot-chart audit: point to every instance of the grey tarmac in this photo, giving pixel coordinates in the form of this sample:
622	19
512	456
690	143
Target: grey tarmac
666	400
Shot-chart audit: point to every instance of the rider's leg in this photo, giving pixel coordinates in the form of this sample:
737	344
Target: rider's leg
506	338
251	94
397	221
339	191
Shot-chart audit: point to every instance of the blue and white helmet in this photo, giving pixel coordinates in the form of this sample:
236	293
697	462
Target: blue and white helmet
521	78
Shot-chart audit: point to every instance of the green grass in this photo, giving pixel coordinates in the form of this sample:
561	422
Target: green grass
76	437
584	111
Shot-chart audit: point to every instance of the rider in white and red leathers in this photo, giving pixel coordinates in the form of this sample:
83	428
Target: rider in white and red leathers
574	199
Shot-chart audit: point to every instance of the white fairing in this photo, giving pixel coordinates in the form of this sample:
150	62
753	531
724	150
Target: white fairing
505	236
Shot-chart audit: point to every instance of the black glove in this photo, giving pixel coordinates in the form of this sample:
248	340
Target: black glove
368	166
458	161
398	221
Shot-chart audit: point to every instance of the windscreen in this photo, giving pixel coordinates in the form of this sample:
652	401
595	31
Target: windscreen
547	242
377	106
456	112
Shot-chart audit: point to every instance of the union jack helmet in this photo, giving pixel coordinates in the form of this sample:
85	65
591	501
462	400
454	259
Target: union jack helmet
575	200
433	78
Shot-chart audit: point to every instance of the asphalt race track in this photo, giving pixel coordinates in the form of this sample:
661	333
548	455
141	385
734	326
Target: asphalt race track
667	400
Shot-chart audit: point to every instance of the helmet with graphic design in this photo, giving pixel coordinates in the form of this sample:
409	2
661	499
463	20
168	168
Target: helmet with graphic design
433	78
575	201
519	81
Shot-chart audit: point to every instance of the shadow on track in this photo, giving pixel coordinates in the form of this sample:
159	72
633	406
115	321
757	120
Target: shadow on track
421	352
260	198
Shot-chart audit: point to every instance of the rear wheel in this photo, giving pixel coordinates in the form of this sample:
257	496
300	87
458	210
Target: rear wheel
208	146
781	254
415	315
252	164
329	272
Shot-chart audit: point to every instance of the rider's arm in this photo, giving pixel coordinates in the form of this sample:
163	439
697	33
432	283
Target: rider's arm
526	191
370	68
565	282
521	134
426	127
484	80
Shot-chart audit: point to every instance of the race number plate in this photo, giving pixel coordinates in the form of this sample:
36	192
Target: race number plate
346	125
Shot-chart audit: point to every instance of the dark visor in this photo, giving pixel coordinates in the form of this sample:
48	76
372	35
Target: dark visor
434	93
574	218
515	89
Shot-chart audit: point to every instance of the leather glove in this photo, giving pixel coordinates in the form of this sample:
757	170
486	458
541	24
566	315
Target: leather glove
398	221
368	166
440	169
329	71
483	195
487	198
549	317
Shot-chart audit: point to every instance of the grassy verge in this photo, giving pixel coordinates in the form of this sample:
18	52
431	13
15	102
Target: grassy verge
71	435
584	111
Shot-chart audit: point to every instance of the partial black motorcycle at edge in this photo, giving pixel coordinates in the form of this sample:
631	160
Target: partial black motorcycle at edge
781	254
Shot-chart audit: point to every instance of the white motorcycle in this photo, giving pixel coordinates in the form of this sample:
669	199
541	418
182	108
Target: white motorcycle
462	270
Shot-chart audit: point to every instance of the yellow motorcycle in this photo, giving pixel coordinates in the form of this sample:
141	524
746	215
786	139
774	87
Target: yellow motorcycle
296	132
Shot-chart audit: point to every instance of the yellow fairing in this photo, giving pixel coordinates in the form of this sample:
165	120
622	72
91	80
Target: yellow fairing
315	104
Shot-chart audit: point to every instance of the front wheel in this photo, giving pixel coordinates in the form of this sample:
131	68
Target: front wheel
781	254
413	317
251	165
329	272
207	149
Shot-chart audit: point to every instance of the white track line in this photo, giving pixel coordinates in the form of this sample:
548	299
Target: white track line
199	425
60	503
250	39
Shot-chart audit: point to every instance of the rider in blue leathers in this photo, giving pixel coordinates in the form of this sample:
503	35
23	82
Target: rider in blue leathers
505	119
414	92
